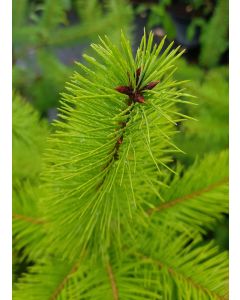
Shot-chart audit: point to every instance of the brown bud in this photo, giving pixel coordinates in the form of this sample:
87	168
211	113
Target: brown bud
139	98
124	90
151	85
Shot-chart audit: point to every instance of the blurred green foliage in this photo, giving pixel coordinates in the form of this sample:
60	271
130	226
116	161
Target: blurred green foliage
214	37
29	136
41	29
209	133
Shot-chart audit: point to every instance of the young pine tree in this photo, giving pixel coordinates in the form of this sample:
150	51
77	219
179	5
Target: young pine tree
115	217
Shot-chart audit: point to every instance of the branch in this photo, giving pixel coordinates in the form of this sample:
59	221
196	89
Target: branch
113	282
187	279
171	203
27	219
133	97
115	151
63	283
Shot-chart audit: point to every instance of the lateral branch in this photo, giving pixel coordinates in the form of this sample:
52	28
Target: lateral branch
176	201
113	282
185	278
61	286
27	219
134	96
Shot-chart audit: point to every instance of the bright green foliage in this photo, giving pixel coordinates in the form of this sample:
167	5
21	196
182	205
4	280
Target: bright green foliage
195	200
91	177
161	266
115	217
187	269
27	227
29	136
214	38
60	280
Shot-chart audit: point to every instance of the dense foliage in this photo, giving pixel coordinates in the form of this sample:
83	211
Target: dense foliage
119	211
123	196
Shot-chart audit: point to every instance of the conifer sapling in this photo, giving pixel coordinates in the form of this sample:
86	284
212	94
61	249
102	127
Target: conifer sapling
116	221
111	147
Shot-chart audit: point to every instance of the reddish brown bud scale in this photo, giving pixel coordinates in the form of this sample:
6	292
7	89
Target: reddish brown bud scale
151	85
124	90
135	96
139	98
